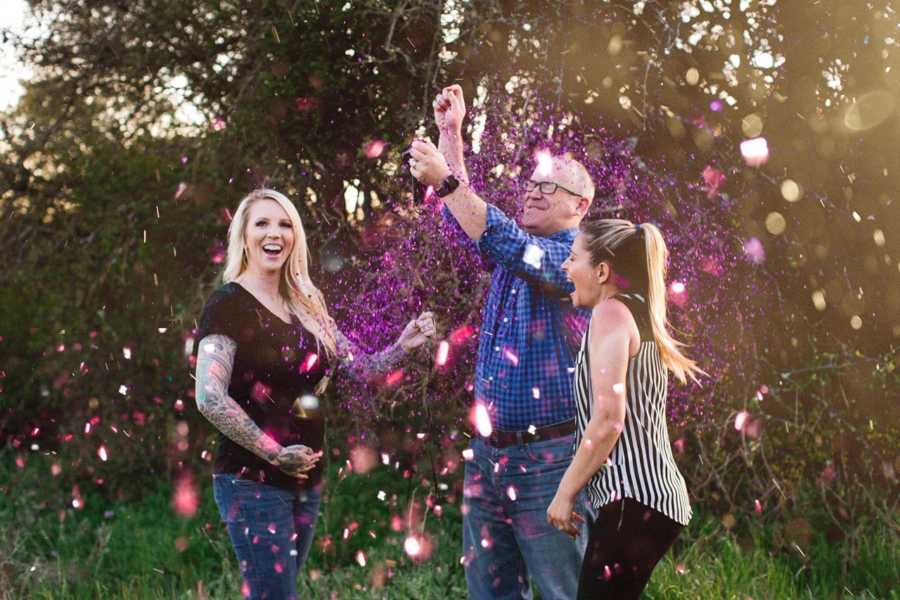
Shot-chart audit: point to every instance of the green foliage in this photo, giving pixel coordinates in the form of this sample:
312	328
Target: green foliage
143	550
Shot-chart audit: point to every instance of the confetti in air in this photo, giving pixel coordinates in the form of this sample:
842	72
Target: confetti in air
533	255
544	163
481	420
755	152
443	352
375	148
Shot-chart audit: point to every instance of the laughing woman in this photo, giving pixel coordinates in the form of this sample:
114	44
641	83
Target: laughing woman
623	452
266	344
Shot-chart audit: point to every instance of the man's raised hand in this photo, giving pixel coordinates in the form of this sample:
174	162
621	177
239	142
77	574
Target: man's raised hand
450	109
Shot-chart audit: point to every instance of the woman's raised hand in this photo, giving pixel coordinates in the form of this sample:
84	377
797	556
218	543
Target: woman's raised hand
417	331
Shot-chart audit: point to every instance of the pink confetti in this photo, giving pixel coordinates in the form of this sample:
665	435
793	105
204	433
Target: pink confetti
309	362
757	506
363	459
482	421
412	547
360	558
679	568
303	103
375	148
511	493
218	123
261	392
101	452
755	152
740	421
754	250
179	191
511	357
394	377
217	254
184	498
544	163
461	334
443	352
713	178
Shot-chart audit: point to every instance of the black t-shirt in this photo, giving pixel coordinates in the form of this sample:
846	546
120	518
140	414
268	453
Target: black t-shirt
275	364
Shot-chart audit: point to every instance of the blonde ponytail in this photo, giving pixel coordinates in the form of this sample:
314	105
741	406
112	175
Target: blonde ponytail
657	264
618	241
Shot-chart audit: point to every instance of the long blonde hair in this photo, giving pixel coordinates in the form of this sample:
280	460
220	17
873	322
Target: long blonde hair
296	288
639	260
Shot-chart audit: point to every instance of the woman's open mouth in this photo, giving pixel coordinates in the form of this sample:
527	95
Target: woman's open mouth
272	250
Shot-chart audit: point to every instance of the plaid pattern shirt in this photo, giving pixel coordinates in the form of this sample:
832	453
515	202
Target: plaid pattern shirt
530	332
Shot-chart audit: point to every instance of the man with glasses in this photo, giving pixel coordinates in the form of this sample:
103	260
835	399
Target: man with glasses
523	379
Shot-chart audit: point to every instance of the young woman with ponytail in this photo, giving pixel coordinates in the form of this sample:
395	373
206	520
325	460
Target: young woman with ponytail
266	347
623	455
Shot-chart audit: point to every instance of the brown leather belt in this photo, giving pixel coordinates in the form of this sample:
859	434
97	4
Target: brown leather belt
502	439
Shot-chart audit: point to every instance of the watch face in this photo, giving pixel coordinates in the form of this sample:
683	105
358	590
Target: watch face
448	187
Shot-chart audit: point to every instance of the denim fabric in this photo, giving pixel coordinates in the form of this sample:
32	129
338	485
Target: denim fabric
271	530
506	536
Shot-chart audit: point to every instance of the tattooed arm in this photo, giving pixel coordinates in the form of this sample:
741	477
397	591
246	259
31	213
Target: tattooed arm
366	367
215	360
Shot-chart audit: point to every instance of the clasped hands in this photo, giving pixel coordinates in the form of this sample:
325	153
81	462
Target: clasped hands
297	460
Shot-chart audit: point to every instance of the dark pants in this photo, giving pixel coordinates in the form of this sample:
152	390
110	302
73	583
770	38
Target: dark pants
626	541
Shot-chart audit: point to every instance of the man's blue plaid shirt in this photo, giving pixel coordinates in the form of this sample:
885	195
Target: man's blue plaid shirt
530	332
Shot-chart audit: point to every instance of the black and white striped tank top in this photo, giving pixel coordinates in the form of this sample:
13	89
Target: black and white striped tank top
641	465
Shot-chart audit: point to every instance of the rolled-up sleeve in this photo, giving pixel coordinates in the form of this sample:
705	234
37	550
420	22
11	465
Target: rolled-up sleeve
541	258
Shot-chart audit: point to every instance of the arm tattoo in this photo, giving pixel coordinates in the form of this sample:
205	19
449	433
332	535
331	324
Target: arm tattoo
366	367
215	360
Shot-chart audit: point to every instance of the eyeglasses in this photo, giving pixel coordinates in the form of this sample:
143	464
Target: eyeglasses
547	187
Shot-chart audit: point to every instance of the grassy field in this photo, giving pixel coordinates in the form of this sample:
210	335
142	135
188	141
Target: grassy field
143	550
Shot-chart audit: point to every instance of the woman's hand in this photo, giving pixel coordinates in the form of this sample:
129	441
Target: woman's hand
562	516
297	460
417	331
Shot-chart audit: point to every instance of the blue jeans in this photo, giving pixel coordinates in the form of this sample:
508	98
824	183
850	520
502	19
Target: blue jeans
506	536
271	530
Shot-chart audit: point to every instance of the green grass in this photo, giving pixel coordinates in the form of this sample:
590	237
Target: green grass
131	553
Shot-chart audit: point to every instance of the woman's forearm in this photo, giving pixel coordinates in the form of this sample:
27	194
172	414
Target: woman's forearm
215	360
367	367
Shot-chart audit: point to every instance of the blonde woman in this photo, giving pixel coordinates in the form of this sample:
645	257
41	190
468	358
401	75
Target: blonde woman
623	455
266	344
